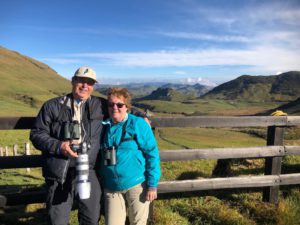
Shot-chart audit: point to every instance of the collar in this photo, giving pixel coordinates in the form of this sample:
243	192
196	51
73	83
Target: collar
110	122
79	102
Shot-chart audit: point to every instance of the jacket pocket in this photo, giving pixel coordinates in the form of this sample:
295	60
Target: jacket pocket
56	168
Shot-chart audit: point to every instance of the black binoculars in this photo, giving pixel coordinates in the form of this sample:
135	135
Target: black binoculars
110	158
71	130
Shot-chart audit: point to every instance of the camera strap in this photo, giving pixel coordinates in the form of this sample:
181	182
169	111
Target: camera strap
88	117
123	139
64	107
124	132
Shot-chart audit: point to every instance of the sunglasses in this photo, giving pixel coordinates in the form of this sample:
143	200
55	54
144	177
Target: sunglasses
86	80
119	104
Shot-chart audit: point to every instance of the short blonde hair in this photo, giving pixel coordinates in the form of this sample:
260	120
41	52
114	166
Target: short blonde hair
120	92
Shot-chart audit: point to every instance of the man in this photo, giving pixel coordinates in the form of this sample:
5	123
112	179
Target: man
50	134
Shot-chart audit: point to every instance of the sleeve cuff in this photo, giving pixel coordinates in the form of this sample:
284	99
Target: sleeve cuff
152	188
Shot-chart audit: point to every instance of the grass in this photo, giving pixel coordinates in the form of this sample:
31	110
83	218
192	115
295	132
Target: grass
11	137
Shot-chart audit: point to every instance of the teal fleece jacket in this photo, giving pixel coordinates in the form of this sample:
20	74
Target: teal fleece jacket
137	159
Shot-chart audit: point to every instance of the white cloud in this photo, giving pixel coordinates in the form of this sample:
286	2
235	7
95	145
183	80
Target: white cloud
180	72
268	58
207	37
261	14
199	80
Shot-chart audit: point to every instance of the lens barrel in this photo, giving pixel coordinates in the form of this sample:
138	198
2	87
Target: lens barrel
82	173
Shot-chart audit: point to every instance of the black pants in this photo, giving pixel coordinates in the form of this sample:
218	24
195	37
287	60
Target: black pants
60	200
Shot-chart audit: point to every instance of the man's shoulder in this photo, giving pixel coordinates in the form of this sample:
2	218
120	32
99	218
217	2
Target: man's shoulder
98	106
53	100
97	98
56	100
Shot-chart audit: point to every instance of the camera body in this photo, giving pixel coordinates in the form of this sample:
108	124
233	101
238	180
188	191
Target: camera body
110	158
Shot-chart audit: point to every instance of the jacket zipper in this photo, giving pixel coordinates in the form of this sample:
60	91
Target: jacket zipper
65	172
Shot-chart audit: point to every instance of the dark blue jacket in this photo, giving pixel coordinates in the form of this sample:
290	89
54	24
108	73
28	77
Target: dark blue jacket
47	132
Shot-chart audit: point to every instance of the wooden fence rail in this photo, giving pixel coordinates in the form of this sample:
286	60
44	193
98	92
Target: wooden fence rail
273	153
9	123
10	162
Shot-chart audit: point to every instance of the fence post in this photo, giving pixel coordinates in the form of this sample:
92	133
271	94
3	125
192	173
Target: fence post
15	150
273	164
27	152
3	201
6	151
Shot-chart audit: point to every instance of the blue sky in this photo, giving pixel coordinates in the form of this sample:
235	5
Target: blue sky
156	40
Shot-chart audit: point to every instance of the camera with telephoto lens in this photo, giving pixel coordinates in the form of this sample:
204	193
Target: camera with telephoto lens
83	186
110	158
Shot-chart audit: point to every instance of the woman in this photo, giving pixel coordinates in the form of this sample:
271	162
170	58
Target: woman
130	162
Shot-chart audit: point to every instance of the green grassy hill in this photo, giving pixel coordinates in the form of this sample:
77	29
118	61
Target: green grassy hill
291	108
166	94
26	84
283	87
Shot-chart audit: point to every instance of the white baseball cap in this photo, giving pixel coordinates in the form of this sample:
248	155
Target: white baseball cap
87	72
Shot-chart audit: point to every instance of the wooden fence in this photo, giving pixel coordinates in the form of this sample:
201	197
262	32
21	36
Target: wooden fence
272	153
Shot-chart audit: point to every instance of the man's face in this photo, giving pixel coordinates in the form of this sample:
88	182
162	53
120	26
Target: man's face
82	87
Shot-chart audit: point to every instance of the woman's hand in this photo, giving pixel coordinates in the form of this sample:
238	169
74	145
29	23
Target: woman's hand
151	194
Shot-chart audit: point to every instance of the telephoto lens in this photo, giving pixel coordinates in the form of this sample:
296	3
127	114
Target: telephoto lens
83	185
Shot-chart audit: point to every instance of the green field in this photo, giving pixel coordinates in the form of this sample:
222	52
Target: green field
218	207
208	107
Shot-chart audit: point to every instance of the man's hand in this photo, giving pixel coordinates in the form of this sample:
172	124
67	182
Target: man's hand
66	150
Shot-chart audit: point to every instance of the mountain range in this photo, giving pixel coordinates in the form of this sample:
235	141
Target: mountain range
27	83
160	90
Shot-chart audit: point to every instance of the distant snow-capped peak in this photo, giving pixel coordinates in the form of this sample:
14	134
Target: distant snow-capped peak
199	80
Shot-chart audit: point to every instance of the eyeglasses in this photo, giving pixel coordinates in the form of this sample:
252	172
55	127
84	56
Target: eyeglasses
119	104
86	80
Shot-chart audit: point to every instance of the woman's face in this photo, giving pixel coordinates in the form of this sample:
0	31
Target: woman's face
116	108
